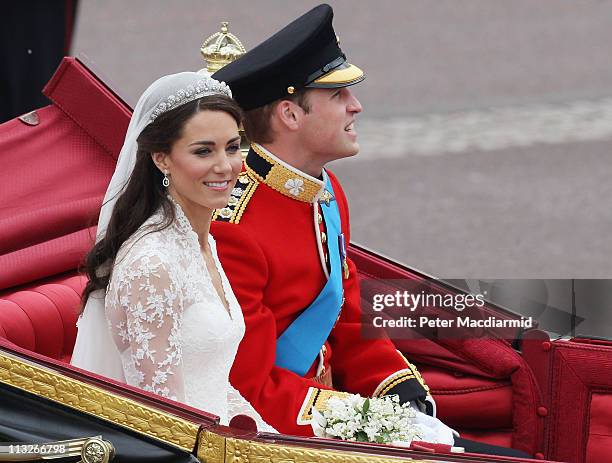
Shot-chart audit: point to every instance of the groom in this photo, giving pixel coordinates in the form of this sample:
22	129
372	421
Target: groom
283	236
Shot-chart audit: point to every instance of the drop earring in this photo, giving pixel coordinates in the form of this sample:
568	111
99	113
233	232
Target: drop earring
166	180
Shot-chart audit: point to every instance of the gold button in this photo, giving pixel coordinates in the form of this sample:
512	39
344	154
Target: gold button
319	218
323	237
290	90
324	350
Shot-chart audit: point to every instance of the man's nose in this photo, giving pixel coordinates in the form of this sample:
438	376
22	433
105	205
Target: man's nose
354	105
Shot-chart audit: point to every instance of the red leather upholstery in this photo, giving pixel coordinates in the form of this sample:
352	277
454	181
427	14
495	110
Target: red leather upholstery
497	404
456	393
577	411
42	317
54	176
599	441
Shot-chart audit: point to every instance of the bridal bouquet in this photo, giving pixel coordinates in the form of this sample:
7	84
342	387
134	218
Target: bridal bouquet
382	420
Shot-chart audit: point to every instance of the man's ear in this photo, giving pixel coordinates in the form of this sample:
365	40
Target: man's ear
288	114
161	160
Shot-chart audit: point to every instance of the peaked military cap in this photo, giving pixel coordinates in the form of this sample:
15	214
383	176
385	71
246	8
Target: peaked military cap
304	53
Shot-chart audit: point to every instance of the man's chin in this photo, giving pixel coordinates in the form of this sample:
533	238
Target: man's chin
347	152
352	151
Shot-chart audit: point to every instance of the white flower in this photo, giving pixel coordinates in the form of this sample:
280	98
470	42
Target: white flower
318	423
295	186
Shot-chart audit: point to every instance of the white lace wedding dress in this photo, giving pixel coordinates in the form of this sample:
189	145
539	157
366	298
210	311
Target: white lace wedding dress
175	336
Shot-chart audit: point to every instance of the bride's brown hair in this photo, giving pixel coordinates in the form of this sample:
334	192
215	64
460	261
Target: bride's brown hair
144	193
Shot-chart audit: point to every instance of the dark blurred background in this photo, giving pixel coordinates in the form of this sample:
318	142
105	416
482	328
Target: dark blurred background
34	36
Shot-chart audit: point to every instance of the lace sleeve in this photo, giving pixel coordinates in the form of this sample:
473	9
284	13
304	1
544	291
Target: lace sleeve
151	312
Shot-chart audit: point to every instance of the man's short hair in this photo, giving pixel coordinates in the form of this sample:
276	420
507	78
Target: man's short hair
257	121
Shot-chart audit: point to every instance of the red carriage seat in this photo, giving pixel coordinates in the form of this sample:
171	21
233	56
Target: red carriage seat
41	317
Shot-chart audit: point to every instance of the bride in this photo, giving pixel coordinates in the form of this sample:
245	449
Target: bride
159	312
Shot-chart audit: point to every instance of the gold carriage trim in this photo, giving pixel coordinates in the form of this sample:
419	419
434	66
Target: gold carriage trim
317	398
213	448
284	178
98	402
240	197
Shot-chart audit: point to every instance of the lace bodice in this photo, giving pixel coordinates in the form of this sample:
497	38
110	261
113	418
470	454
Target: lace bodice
174	333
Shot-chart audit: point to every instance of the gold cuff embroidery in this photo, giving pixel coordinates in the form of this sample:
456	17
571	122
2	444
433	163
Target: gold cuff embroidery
316	398
416	373
391	381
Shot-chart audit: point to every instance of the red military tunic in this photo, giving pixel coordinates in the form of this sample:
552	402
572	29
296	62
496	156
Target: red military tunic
271	246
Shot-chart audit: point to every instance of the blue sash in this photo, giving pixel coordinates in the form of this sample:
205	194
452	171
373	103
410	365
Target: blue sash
300	343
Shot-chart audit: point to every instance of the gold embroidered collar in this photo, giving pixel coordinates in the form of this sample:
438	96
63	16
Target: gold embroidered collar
282	177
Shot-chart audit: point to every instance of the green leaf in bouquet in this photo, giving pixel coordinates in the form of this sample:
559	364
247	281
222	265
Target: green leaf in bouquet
361	436
366	406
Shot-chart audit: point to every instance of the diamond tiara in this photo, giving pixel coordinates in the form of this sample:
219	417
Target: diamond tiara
203	87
